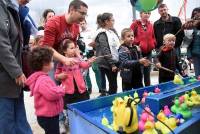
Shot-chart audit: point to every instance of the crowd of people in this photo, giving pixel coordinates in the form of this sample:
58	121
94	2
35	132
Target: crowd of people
53	60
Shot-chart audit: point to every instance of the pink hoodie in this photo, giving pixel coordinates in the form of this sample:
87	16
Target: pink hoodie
48	101
73	73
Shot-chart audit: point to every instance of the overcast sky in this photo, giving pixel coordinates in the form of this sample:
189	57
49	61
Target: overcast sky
121	9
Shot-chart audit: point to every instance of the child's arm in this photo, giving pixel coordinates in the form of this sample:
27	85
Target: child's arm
59	75
145	62
124	59
87	64
50	91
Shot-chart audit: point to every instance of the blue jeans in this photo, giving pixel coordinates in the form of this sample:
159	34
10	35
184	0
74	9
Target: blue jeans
13	116
196	63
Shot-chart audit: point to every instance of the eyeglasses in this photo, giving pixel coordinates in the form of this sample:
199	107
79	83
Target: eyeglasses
82	13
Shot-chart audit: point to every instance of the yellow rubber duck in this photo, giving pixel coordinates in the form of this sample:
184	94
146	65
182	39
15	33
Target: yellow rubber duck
149	128
195	97
136	97
178	80
171	123
104	121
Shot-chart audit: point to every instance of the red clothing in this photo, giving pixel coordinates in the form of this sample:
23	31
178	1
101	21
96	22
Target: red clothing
73	73
57	29
144	38
48	101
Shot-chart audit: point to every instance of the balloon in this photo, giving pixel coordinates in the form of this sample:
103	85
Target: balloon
148	5
138	6
145	5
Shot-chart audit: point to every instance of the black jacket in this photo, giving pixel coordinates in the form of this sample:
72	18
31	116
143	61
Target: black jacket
129	64
168	60
173	25
102	49
10	49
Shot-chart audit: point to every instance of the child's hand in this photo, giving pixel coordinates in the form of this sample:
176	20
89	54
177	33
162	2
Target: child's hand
92	59
138	48
190	60
62	86
61	76
114	69
144	61
158	65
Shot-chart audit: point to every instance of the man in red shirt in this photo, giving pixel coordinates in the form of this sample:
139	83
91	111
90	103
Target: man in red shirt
63	27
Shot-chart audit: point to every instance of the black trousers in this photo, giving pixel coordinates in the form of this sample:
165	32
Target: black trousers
112	79
76	97
147	70
49	124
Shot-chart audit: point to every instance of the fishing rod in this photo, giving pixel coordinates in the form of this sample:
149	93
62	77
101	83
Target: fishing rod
166	69
108	55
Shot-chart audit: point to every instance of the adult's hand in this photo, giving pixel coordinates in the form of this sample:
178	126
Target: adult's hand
70	61
20	80
191	24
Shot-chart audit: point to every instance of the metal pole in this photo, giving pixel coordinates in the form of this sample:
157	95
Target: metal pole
134	12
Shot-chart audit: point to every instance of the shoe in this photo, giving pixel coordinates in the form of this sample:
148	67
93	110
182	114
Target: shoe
103	94
62	127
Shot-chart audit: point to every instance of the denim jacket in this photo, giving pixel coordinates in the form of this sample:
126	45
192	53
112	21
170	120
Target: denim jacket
129	62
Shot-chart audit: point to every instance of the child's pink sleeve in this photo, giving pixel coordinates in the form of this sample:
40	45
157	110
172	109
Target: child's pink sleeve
50	90
84	64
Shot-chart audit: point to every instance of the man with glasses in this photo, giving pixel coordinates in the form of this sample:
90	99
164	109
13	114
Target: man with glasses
12	111
168	24
63	27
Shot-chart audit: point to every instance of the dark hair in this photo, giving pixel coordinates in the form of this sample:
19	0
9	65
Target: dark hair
45	13
98	21
101	19
76	4
194	12
162	5
39	56
64	45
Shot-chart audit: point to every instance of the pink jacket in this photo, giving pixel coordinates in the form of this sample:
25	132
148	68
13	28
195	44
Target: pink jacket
73	72
48	101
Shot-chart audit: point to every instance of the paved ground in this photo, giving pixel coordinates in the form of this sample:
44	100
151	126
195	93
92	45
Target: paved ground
30	106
